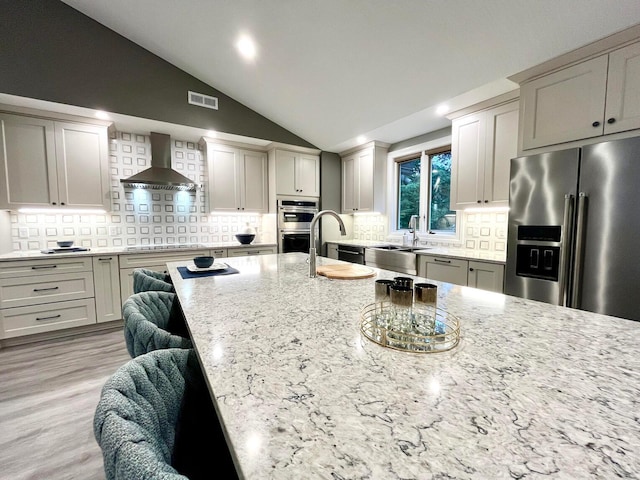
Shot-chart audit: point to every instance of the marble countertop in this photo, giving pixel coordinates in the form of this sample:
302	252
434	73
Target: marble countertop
532	390
30	254
452	252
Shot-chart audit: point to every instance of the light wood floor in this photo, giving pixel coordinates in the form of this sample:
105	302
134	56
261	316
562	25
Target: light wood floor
48	395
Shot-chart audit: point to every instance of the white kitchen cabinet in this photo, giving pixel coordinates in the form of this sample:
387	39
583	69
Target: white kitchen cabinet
106	280
483	144
297	174
363	179
237	179
443	269
151	261
596	97
44	295
332	251
486	276
472	273
44	162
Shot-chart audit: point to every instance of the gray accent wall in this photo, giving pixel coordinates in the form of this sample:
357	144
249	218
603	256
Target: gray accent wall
50	51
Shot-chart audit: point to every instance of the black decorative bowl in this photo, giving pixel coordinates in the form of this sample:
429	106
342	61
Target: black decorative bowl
203	262
65	243
245	238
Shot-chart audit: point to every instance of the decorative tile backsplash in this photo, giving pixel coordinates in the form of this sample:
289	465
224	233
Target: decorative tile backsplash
142	217
483	231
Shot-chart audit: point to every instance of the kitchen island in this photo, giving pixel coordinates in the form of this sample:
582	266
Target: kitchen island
531	391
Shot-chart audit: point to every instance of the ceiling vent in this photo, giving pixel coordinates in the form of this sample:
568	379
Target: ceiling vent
202	100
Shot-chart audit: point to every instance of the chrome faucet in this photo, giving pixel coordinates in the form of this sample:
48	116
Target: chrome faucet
312	238
413	227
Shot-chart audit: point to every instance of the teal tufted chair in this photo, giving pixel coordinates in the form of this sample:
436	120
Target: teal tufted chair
145	280
152	416
150	323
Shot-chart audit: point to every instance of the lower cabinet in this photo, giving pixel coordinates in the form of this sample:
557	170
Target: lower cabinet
106	279
332	250
45	295
472	273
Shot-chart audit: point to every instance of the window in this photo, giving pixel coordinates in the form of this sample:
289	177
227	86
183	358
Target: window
426	195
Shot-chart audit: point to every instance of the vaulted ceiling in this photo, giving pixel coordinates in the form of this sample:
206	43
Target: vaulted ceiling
331	71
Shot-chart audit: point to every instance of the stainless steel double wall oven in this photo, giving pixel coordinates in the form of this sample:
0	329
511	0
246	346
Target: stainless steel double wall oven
294	223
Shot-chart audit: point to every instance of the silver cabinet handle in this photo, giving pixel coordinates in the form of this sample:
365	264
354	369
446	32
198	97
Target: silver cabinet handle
441	261
43	266
577	267
45	289
48	318
567	227
254	252
105	259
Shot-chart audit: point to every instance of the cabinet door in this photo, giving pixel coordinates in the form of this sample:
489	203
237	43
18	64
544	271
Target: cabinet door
286	173
106	280
349	184
364	180
468	153
308	175
623	90
27	162
501	147
82	170
225	173
566	105
254	186
447	270
332	250
486	276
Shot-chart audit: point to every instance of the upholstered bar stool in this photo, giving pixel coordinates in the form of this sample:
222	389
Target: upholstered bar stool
150	323
145	280
151	419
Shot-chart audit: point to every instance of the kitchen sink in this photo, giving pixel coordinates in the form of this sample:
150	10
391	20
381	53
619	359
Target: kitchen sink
393	257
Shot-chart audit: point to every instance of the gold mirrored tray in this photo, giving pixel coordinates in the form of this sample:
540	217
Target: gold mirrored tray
417	330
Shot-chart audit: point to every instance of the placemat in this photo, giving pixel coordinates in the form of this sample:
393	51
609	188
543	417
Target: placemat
187	274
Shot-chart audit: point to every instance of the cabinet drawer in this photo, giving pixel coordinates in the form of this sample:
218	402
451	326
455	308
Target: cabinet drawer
49	266
150	259
443	269
241	252
20	321
23	291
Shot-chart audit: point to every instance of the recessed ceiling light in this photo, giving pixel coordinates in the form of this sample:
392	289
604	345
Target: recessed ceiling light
212	134
361	139
442	109
247	47
102	115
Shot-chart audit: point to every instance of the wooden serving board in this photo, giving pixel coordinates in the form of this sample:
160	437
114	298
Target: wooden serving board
345	272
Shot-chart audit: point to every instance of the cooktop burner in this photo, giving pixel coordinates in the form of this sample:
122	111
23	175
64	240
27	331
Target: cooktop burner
142	248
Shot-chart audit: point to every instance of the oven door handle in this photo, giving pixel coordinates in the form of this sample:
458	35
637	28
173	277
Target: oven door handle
290	231
350	252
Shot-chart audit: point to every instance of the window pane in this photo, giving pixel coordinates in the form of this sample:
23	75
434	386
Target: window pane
441	218
409	192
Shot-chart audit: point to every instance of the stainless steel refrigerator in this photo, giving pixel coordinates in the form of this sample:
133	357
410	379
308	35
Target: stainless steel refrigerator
574	228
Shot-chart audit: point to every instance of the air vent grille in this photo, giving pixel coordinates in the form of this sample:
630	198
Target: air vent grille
203	100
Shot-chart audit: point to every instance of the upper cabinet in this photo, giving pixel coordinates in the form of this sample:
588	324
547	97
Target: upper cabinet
297	174
50	163
237	178
363	179
599	96
482	146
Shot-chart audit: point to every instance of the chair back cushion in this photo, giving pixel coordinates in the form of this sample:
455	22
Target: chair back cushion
145	280
146	319
138	413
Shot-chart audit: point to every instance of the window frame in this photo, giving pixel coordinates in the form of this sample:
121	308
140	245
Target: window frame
422	151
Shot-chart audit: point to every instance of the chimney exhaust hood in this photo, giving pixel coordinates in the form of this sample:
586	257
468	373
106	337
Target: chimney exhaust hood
160	176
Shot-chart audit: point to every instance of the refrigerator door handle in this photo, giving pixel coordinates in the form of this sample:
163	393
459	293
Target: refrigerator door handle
577	259
567	228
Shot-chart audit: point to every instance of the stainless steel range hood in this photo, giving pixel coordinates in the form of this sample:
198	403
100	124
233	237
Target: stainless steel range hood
160	176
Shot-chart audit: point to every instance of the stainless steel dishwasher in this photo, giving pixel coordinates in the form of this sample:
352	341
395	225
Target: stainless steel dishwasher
351	253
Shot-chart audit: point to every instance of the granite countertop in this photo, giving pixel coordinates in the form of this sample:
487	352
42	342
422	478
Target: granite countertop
451	252
532	390
31	254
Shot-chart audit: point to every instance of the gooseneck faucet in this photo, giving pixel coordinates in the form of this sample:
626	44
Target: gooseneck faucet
312	238
413	226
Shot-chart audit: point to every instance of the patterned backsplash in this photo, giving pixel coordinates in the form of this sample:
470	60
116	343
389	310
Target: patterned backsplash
141	217
484	231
